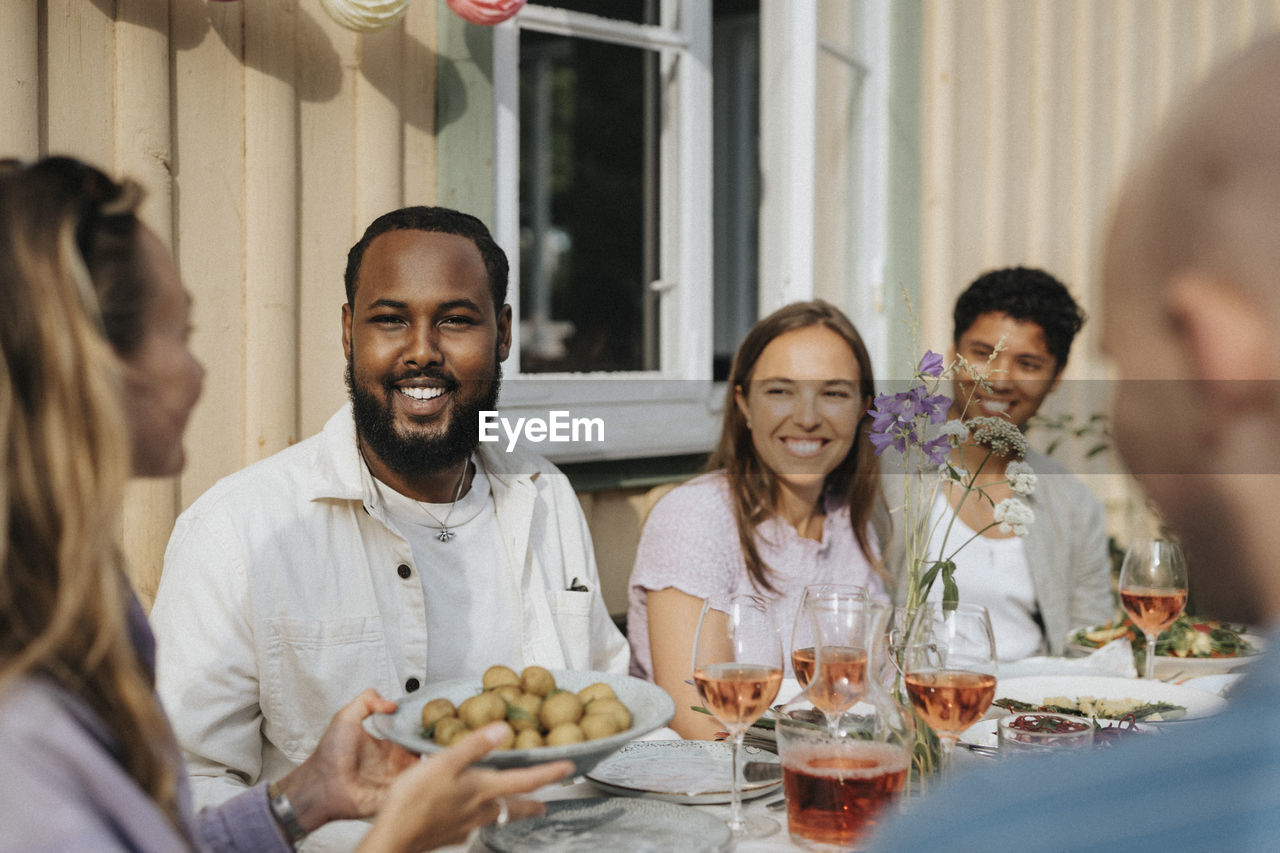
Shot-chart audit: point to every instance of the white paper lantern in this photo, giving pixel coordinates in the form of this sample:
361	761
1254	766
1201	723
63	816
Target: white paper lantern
365	15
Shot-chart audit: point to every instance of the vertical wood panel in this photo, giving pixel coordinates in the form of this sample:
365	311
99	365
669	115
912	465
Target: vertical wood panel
20	80
81	73
271	212
209	119
328	220
144	150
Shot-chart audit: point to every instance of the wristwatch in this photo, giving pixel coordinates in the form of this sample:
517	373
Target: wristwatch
283	810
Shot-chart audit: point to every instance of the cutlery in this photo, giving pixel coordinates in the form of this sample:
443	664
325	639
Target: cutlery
991	751
777	805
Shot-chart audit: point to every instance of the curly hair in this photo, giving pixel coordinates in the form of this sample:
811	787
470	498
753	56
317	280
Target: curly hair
753	488
1024	293
442	220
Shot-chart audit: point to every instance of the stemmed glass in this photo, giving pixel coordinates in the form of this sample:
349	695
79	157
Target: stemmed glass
843	632
1153	590
950	669
803	650
737	668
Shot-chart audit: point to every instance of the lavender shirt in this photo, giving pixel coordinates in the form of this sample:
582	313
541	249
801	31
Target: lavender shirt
63	789
690	543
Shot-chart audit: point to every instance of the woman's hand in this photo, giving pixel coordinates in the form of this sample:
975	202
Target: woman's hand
349	774
441	799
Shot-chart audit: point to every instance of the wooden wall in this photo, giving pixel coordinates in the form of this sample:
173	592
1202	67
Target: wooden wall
267	136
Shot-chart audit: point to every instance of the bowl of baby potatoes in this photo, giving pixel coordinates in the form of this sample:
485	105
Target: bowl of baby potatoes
582	716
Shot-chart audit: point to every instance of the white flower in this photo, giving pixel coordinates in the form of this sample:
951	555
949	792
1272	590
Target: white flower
956	429
949	473
1002	437
1021	478
1014	516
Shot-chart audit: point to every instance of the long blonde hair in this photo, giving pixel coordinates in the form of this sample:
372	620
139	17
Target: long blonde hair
69	271
753	488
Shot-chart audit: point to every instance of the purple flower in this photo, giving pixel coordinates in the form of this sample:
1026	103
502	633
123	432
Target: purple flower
931	364
937	406
881	441
937	449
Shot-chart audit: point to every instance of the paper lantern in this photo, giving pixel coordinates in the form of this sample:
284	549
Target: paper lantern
485	12
365	15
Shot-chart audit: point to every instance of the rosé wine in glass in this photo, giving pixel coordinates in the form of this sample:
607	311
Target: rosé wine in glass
1153	590
838	790
737	669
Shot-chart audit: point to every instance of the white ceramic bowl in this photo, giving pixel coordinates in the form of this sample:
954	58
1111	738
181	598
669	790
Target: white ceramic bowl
651	708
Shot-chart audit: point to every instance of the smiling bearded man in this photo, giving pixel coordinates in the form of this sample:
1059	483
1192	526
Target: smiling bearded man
392	549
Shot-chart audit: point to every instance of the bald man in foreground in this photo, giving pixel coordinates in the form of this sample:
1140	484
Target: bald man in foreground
1192	323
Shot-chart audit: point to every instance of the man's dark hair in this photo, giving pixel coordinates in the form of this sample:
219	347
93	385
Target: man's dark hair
1024	294
444	221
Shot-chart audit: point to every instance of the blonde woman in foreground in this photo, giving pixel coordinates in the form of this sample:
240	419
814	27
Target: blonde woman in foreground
96	384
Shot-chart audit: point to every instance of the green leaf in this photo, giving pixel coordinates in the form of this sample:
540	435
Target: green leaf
928	577
950	592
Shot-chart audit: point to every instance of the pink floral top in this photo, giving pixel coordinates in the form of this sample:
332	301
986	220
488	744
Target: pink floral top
690	542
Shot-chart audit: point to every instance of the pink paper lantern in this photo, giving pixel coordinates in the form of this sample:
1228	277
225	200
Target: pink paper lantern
485	12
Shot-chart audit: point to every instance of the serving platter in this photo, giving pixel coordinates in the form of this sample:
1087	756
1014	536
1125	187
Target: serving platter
1035	689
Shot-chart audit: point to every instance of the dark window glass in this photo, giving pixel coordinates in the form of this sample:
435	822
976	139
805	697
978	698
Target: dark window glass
588	213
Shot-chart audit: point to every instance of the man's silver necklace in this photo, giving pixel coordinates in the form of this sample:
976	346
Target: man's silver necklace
444	534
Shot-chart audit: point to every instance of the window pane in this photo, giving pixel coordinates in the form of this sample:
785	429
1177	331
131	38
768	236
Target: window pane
588	226
736	154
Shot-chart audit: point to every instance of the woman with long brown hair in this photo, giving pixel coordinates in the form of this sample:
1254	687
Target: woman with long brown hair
96	383
786	501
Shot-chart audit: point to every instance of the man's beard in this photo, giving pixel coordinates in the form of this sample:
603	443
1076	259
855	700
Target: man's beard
418	455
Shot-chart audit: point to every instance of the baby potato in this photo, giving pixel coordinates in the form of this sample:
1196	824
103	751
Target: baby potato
437	709
522	713
537	680
481	709
614	708
498	675
599	690
448	730
508	692
596	726
565	733
529	739
560	708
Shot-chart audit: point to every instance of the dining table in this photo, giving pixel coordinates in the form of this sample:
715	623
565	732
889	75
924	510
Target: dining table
1106	665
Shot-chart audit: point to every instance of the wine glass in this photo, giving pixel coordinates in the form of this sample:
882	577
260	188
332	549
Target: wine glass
803	652
843	630
1153	590
950	666
737	669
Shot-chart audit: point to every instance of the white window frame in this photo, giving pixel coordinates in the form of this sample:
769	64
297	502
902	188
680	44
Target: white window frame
630	404
644	412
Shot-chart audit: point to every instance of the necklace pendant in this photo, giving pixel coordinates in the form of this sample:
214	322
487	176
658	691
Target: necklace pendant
445	534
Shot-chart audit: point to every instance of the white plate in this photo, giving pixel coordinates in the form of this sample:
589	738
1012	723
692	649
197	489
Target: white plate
590	826
1036	689
1219	684
1168	666
695	772
651	708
